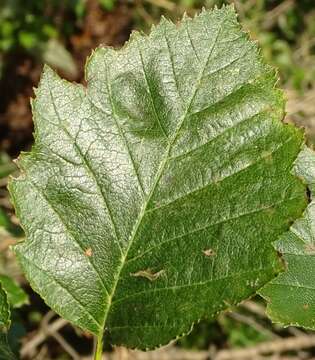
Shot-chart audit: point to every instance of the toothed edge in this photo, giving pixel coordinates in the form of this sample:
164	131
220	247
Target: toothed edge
136	36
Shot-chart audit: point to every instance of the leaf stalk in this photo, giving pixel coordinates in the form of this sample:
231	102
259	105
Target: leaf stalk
99	348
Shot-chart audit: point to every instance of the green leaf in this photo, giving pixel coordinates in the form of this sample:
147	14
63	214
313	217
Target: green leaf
151	197
5	352
4	310
291	296
107	4
4	219
6	225
17	297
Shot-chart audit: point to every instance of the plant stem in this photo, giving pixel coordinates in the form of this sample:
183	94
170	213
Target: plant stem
99	348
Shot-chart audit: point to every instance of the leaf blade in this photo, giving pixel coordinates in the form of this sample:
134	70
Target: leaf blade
5	321
17	297
291	294
171	151
4	310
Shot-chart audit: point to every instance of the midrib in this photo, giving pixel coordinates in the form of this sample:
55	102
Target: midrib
157	179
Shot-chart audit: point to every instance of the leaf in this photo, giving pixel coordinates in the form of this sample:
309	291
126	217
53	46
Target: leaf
56	55
173	152
5	352
7	167
107	4
291	296
7	226
4	310
17	297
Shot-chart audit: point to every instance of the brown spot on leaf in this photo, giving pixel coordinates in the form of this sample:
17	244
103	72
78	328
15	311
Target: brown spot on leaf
310	248
267	155
282	261
208	252
148	274
306	306
88	252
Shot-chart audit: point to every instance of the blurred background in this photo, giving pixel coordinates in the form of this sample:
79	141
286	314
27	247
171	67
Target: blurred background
62	33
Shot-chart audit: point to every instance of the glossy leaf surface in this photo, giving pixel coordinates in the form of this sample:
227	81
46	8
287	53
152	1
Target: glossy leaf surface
291	296
151	197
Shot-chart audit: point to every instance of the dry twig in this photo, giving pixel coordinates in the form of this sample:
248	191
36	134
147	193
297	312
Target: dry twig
165	4
30	347
6	242
276	346
272	348
272	16
252	323
254	308
66	346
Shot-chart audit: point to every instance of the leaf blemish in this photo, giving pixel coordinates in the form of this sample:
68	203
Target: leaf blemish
208	252
148	274
267	155
310	249
88	252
